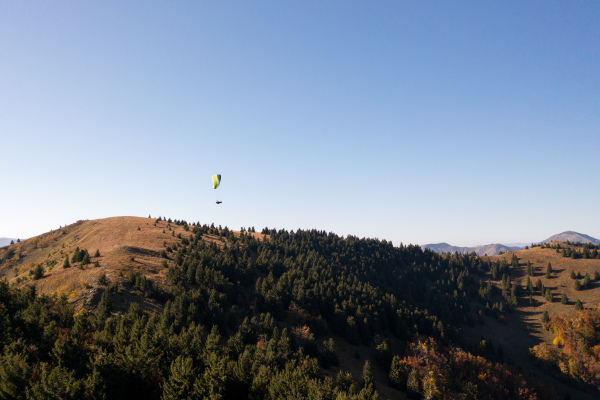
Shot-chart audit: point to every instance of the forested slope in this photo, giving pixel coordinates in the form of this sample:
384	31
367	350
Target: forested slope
249	315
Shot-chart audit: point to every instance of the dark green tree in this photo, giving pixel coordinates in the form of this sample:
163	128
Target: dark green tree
104	306
180	383
15	373
38	272
548	295
86	258
545	317
368	390
396	376
76	256
586	281
412	384
549	271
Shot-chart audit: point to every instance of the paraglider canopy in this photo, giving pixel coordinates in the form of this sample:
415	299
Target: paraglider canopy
216	183
216	180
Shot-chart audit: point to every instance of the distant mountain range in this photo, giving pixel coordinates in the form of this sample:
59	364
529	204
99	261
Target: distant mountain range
489	249
494	249
5	241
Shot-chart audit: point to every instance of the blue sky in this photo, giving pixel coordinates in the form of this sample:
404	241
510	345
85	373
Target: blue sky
417	122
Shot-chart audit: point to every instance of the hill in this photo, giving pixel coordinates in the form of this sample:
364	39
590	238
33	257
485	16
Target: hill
151	308
488	249
553	294
573	237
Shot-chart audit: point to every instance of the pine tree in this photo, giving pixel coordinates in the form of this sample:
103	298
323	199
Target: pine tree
530	269
75	258
104	307
66	264
38	272
564	299
368	390
577	285
97	253
586	281
578	305
181	379
412	384
545	317
430	390
344	380
397	379
548	271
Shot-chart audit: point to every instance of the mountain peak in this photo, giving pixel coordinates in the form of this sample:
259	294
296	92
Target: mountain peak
489	249
572	236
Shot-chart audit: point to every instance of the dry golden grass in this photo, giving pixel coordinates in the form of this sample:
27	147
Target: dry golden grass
522	329
560	281
117	239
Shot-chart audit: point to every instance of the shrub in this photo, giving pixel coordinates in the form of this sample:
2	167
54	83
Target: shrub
37	272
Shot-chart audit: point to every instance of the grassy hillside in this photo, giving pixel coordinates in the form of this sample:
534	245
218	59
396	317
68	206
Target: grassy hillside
125	244
522	329
560	281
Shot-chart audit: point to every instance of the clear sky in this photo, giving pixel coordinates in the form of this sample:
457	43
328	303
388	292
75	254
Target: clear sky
467	122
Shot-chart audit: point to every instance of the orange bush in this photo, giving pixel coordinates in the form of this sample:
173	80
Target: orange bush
453	373
576	346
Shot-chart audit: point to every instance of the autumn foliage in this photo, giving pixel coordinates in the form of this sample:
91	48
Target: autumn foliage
576	346
432	371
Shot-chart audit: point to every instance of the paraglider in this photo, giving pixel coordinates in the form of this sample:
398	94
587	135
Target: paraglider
216	182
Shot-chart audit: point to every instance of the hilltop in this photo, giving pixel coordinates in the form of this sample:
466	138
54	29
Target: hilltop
125	244
573	237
